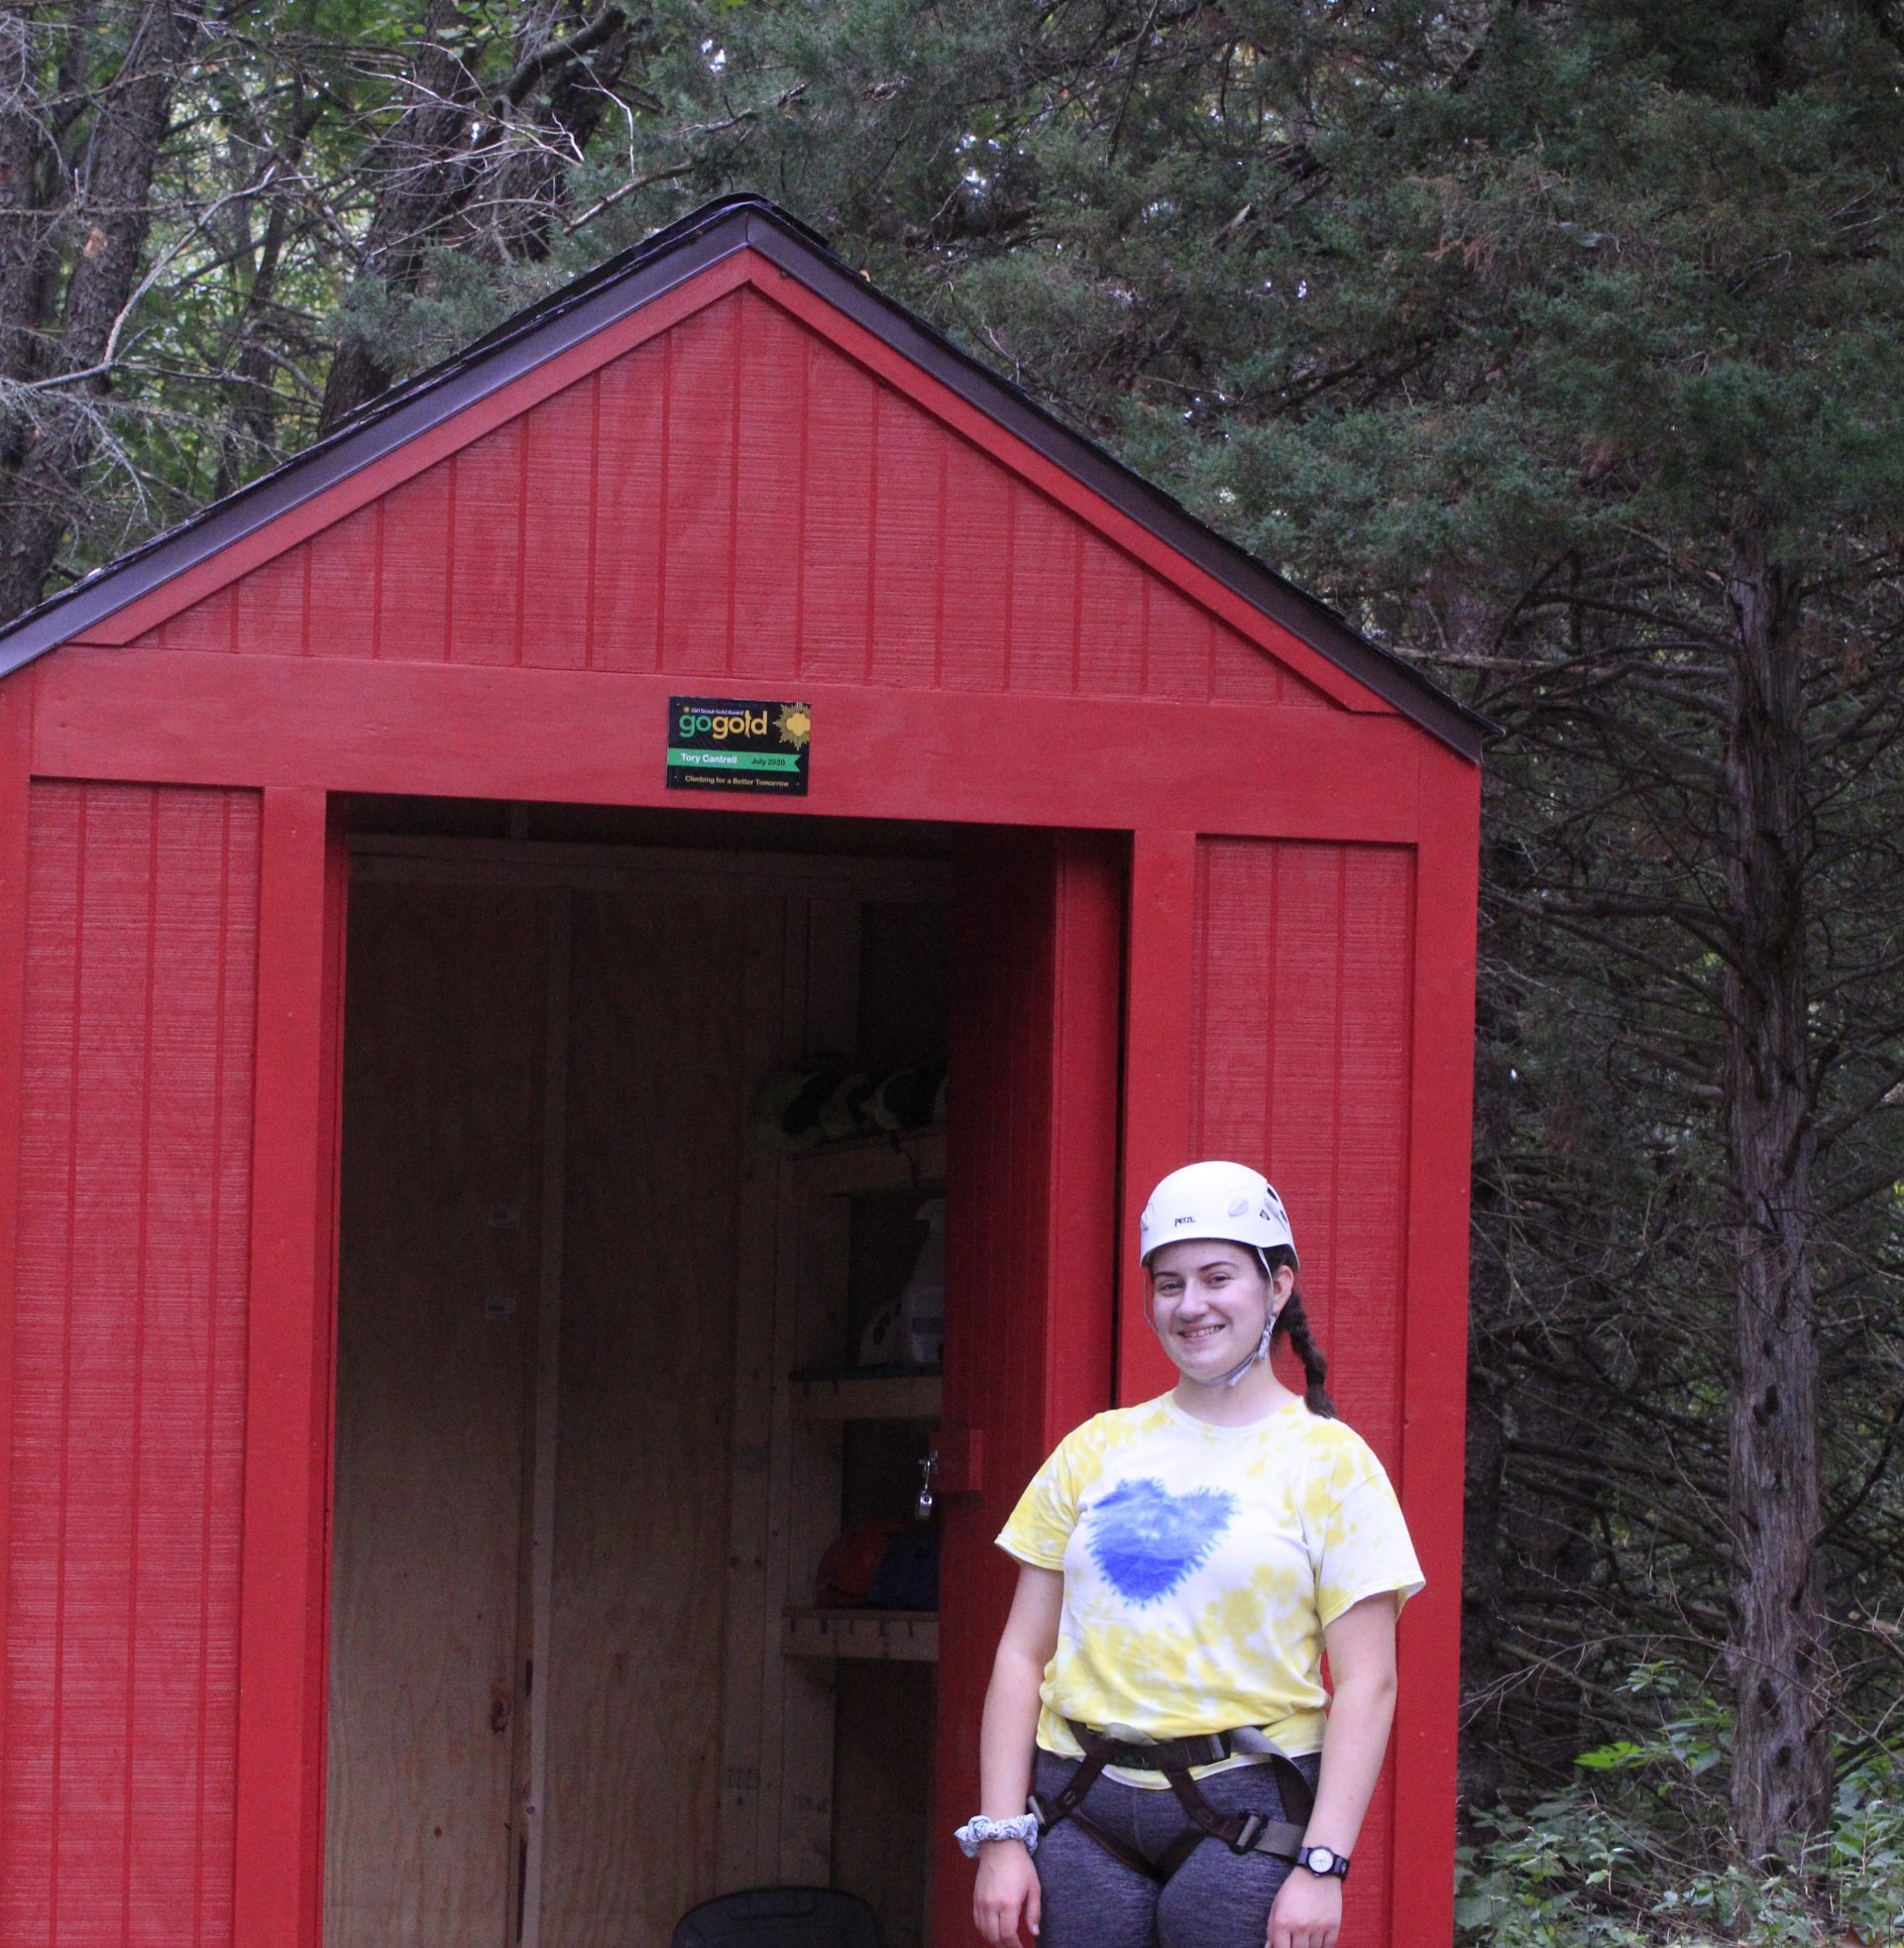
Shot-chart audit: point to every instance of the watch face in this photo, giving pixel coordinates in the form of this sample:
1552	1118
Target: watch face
1321	1861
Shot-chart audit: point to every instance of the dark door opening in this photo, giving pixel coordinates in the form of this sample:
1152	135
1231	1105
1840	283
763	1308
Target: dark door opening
592	1439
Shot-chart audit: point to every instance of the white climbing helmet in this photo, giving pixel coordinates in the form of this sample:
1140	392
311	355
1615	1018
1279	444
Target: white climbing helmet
1230	1201
1223	1201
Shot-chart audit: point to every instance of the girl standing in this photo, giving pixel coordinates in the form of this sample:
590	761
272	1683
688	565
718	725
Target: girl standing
1157	1698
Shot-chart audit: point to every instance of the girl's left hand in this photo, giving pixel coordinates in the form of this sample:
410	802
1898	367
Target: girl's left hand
1307	1912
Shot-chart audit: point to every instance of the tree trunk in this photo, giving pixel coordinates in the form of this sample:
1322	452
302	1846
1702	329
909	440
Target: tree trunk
1781	1758
418	167
476	165
106	218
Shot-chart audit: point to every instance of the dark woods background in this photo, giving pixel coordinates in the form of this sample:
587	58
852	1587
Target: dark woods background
1555	341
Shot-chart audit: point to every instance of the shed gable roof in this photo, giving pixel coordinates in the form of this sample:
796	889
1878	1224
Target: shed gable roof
738	287
736	498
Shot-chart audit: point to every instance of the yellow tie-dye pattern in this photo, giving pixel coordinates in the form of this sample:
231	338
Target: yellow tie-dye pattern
1231	1633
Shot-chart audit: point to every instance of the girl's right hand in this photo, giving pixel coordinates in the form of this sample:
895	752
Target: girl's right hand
1007	1889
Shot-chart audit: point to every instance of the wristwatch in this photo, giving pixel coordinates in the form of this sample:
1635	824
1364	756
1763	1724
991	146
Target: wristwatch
1324	1860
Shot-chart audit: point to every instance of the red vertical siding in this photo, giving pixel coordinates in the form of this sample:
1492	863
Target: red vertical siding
129	1367
486	548
769	474
343	587
559	462
908	621
210	626
271	607
626	528
739	497
703	404
1304	959
1110	602
971	586
411	563
835	563
1031	1174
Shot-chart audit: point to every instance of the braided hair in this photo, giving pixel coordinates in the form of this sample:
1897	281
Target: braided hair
1292	1325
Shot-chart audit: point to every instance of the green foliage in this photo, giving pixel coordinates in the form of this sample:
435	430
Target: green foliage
1634	1853
1497	323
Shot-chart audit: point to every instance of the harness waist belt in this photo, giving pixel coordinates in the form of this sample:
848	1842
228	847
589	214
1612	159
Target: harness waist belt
1175	1755
1242	1833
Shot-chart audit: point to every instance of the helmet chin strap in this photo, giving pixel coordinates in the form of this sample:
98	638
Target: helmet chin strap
1262	1348
1236	1372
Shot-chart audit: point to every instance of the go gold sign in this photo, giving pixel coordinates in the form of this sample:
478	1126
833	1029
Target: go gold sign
736	743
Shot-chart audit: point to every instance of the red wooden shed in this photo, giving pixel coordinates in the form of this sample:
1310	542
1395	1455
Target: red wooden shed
431	1378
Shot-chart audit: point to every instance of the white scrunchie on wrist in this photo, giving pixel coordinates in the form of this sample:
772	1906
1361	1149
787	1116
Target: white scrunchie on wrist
979	1829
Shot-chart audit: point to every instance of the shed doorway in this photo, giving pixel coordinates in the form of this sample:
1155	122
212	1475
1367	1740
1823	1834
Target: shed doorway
601	1405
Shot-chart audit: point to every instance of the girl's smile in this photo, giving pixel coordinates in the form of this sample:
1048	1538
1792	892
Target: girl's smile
1208	1300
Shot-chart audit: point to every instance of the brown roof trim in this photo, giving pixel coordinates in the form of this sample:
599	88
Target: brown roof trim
624	284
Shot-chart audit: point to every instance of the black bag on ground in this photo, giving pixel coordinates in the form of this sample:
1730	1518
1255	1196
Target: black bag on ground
778	1917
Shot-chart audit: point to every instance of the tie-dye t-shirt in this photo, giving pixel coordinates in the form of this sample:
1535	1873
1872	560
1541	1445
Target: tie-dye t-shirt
1200	1565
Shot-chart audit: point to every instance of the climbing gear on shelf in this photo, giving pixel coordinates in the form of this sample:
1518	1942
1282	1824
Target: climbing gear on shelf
882	1564
830	1098
1242	1833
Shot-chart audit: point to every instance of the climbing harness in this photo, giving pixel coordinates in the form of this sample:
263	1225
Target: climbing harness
1242	1833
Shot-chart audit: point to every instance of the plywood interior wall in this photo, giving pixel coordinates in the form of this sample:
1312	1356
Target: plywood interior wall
436	1331
657	1087
685	1755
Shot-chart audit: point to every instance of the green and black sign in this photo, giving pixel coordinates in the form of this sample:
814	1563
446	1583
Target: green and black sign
733	744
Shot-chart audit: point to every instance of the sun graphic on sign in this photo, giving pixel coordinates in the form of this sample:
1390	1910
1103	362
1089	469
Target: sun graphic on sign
795	725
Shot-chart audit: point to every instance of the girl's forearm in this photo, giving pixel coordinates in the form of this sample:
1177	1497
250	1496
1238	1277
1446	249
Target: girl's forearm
1360	1714
1007	1733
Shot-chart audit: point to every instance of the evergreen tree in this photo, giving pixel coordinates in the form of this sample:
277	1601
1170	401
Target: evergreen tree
1557	342
1554	340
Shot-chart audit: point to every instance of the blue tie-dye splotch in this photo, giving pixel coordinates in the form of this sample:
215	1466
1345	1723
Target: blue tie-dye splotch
1147	1540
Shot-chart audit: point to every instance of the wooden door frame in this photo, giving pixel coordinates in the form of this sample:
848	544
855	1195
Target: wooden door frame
307	862
290	1345
1145	915
1158	1055
1032	1160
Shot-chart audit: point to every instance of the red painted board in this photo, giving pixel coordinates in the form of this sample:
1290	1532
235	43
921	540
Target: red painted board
1435	1351
1031	1172
126	1419
1303	1010
278	1840
15	742
1158	1079
594	738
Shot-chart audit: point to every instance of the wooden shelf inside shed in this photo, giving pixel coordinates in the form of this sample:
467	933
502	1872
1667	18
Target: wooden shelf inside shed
892	1636
907	1159
872	1395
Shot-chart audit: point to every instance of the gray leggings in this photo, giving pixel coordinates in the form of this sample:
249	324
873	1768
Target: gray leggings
1215	1900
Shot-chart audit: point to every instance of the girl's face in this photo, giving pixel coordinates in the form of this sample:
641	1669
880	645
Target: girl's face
1207	1301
